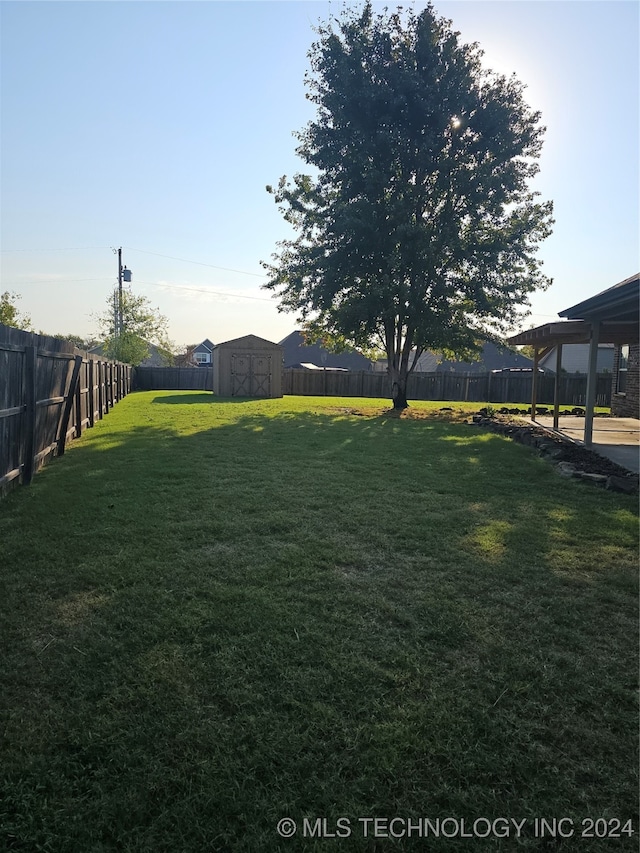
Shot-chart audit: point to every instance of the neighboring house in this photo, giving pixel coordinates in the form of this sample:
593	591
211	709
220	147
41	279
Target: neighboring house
154	359
297	352
492	357
202	353
427	363
575	359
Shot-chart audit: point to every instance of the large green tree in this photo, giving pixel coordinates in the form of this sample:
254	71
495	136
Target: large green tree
418	228
142	325
9	313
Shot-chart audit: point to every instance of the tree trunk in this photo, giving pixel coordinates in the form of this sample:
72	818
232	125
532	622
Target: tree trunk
399	388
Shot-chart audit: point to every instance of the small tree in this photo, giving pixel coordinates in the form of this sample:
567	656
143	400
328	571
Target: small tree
419	230
80	341
142	325
9	313
185	358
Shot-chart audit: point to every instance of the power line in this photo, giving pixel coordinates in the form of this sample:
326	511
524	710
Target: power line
199	263
139	281
145	252
202	290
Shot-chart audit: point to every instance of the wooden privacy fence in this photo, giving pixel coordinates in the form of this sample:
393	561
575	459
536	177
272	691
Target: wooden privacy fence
173	379
470	387
49	392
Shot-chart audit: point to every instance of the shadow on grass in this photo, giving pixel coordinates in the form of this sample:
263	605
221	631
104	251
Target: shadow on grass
309	614
201	397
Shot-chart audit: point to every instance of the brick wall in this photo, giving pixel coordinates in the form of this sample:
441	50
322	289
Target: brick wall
627	405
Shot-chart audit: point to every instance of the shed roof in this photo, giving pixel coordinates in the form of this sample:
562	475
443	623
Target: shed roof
245	340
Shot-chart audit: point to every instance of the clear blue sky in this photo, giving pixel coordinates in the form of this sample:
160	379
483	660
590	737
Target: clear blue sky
156	125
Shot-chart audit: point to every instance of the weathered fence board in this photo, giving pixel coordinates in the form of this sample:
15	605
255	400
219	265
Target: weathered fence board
49	392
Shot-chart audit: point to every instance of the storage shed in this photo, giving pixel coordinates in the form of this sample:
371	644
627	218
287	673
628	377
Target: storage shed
247	367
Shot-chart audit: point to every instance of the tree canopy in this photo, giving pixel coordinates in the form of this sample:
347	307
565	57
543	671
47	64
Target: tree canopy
9	313
418	229
142	325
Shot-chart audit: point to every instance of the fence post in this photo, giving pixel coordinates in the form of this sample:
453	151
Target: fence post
109	381
78	421
100	384
91	406
68	405
29	380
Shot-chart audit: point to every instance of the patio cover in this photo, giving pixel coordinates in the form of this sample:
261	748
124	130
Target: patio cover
609	317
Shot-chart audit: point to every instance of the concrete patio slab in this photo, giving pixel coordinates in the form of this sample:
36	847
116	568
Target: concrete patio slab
617	439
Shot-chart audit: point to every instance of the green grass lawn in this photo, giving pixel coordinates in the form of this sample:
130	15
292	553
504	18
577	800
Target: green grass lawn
215	614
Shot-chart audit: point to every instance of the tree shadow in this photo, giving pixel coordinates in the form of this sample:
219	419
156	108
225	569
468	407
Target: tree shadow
200	398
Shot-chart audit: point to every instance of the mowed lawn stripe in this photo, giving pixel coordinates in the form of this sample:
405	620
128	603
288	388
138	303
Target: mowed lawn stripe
219	613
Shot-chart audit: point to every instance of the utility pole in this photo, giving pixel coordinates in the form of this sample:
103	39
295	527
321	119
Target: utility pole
119	328
115	313
123	275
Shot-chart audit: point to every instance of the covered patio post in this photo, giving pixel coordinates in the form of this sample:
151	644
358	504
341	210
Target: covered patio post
592	379
534	383
556	387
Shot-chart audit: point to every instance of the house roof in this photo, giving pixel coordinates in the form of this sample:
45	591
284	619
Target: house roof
620	302
492	357
205	345
296	351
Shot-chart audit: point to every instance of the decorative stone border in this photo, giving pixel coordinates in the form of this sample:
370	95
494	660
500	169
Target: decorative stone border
571	460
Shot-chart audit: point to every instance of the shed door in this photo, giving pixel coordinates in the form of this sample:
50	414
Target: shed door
240	375
260	375
250	375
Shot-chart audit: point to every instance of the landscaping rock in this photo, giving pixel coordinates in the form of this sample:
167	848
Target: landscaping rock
566	469
598	479
572	460
556	453
628	485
